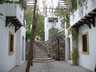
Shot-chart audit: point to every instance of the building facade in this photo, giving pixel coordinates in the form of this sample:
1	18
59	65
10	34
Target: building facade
84	20
12	35
52	23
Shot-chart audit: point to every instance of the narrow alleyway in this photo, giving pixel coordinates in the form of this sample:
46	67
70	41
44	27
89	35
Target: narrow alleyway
44	63
56	66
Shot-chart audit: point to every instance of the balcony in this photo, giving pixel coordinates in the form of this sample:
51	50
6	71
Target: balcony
84	15
14	15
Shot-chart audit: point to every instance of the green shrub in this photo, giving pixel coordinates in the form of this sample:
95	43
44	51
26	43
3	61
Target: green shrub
74	56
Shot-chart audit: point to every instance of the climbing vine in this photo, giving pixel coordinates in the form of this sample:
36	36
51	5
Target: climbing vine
74	33
52	32
74	5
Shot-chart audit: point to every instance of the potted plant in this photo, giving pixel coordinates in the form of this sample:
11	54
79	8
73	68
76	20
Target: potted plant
74	56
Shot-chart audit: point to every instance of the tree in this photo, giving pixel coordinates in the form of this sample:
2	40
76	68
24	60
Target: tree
28	34
64	15
30	56
39	23
28	14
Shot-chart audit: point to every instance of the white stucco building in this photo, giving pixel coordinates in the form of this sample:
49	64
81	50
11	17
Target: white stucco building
12	39
51	22
84	19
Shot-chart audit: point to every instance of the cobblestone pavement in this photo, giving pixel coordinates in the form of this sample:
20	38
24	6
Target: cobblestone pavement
56	66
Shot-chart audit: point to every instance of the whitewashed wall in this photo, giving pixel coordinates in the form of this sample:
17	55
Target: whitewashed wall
48	26
20	33
82	11
67	50
88	61
7	62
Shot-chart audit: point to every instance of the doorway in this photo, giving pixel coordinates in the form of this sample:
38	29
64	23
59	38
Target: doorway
68	48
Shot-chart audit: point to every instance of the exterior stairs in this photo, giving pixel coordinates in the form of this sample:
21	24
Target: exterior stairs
40	53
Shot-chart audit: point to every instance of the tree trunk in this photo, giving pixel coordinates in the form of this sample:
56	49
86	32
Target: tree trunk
30	55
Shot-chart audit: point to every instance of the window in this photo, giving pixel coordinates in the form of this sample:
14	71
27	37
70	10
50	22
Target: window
11	43
52	19
85	47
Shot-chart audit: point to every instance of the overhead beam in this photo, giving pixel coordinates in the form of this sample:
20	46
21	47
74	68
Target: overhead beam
13	20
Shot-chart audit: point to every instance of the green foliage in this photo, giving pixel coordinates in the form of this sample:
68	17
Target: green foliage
74	53
28	34
66	2
64	15
39	31
10	25
60	12
52	32
62	23
74	56
74	33
67	25
28	15
1	14
39	25
74	5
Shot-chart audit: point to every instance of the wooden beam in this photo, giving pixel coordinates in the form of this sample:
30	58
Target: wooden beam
17	27
80	24
88	16
93	15
13	20
93	22
88	23
94	10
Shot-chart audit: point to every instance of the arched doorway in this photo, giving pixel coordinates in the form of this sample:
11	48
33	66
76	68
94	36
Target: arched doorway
22	48
68	48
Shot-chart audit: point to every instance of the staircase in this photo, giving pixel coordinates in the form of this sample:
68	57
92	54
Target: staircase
41	53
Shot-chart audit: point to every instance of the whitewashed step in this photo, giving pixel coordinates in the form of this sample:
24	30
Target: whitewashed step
42	61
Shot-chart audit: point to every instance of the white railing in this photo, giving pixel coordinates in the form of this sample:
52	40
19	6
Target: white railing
82	11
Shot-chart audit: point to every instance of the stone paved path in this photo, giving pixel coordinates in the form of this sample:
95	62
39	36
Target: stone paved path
56	66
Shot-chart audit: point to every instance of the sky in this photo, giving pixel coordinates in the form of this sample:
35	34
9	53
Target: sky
49	2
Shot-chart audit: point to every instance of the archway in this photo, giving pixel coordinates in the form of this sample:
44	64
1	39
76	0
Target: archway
22	48
68	48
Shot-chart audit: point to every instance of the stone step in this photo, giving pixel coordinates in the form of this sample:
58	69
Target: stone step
41	56
40	53
43	61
